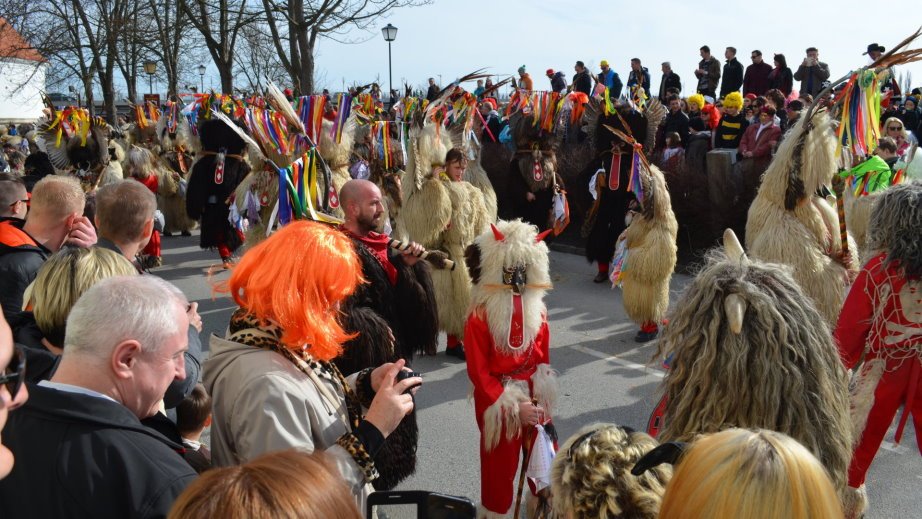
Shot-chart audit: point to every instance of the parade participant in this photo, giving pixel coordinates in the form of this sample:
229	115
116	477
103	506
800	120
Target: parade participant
177	151
442	212
509	353
215	175
864	185
272	379
140	167
789	224
881	324
393	314
533	179
765	360
591	476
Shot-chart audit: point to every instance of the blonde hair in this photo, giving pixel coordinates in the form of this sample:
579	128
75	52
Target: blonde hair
591	475
57	197
903	133
63	278
282	485
757	474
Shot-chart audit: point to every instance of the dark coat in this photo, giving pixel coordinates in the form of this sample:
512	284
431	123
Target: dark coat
732	78
644	80
812	78
756	79
20	258
582	82
558	82
670	80
678	123
782	79
85	456
707	82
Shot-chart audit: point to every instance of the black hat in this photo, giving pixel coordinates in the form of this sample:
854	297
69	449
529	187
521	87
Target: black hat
874	47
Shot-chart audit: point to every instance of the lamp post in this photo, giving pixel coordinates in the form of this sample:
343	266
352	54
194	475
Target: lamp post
390	34
201	74
150	67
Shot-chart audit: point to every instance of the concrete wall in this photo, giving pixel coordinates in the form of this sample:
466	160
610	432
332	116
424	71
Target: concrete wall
21	85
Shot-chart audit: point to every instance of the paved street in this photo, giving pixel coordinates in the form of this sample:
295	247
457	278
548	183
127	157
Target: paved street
604	377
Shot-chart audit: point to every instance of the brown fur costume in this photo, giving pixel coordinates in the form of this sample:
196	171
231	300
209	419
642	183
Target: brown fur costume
789	224
749	349
533	146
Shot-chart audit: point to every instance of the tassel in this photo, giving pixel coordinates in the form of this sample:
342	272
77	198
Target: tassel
219	167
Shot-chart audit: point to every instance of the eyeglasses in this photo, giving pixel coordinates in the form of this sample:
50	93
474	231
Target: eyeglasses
895	128
15	373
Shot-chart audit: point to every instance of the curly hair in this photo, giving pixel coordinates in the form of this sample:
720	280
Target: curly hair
742	473
591	475
896	224
780	372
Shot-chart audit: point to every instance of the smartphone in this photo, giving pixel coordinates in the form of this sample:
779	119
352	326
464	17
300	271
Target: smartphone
418	504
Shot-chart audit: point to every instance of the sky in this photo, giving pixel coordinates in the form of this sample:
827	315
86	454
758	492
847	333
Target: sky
454	37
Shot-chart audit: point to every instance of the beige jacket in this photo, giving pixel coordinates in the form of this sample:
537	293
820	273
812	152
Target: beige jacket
263	403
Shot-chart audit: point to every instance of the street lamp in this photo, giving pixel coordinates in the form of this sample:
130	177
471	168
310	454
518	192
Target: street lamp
150	67
390	34
201	73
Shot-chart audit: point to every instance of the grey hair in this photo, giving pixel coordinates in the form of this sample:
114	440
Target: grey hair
120	308
896	224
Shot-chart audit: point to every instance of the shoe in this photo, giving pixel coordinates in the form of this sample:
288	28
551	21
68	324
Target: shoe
601	277
185	233
643	336
227	263
155	261
166	233
456	352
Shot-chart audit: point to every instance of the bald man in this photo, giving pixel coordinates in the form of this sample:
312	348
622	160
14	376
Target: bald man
55	219
394	314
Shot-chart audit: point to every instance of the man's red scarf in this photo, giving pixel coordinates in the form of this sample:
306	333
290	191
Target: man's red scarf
377	244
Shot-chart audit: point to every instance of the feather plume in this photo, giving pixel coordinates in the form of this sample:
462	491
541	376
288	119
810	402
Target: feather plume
497	86
239	131
655	113
446	92
277	99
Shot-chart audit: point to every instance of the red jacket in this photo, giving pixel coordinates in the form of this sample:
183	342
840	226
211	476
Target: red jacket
761	147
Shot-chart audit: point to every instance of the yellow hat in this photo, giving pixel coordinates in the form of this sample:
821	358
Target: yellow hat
604	63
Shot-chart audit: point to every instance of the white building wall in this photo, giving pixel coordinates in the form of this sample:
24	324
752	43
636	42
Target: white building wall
21	85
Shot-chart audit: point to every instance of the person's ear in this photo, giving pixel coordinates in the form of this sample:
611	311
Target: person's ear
208	421
148	230
125	357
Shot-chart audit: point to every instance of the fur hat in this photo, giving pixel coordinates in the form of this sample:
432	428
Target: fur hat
733	100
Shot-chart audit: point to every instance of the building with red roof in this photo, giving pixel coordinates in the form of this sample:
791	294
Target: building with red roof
22	77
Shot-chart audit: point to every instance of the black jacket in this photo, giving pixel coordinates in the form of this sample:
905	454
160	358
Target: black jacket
677	122
670	80
642	78
85	456
582	82
20	258
730	131
732	77
559	82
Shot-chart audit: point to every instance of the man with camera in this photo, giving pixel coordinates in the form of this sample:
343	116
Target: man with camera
812	73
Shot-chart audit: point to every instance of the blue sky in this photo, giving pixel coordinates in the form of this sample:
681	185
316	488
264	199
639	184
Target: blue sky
453	37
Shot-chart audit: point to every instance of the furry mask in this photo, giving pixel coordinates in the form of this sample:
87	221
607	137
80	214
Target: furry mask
509	269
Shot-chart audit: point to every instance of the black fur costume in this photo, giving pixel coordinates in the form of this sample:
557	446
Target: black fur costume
206	200
612	205
408	309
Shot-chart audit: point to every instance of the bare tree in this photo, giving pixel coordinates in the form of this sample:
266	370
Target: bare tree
220	23
296	26
257	60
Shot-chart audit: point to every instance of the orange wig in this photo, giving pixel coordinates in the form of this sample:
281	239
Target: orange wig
296	279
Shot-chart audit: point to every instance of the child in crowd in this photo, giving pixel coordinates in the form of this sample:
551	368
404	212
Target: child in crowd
193	415
674	151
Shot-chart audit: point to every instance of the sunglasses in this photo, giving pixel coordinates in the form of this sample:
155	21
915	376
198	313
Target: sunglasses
895	128
15	373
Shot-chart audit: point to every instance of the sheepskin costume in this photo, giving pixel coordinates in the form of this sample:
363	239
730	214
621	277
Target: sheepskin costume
441	215
475	173
749	349
789	224
508	350
175	163
338	155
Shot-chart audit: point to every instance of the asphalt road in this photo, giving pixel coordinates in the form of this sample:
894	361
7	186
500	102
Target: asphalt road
604	377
